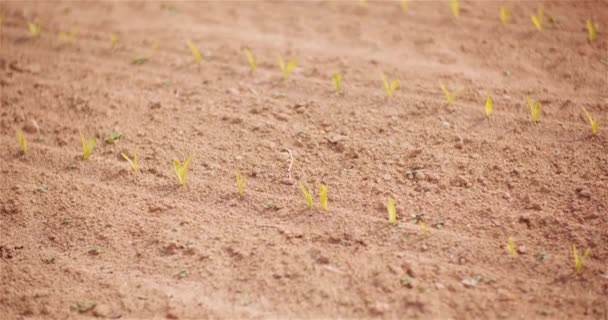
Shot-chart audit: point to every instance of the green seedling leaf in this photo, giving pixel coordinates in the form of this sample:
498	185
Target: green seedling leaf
579	261
534	110
337	78
69	37
87	146
113	41
307	195
449	97
392	211
250	59
240	182
592	122
592	30
455	8
505	14
286	70
195	53
389	88
34	29
22	142
114	136
323	196
133	162
180	170
140	60
538	19
511	247
489	106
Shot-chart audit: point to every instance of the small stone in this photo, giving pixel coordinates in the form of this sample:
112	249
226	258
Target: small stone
419	176
322	260
439	286
534	206
521	249
102	311
287	181
445	124
431	177
31	126
233	91
461	181
379	308
583	192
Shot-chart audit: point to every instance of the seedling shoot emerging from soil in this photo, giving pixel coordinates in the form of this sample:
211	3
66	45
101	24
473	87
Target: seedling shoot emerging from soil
538	19
286	69
579	261
592	122
511	247
250	59
307	195
592	30
323	196
425	230
489	106
180	170
34	29
87	146
534	110
389	87
195	53
69	37
392	211
337	78
449	96
113	41
22	142
133	162
455	8
240	182
505	14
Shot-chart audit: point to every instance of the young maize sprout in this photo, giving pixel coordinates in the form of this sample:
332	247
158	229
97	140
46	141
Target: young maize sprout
286	70
455	8
69	37
362	3
425	230
489	106
250	59
240	182
538	19
155	45
323	196
307	195
534	110
404	6
87	146
505	14
195	53
180	170
579	261
389	87
392	211
113	41
449	97
337	81
21	139
34	29
592	30
592	122
511	246
133	162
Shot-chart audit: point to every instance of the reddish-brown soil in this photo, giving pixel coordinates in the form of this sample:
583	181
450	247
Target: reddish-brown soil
90	238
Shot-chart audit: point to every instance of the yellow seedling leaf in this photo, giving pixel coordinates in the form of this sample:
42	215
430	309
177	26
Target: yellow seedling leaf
449	97
133	162
592	122
21	139
195	53
34	29
180	170
87	146
69	37
323	196
240	182
389	87
534	110
113	40
538	19
455	8
404	5
425	230
579	261
505	14
392	211
489	106
511	246
286	70
337	81
307	195
250	59
592	30
362	3
154	46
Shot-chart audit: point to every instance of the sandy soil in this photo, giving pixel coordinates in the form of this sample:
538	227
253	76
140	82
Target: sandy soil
89	238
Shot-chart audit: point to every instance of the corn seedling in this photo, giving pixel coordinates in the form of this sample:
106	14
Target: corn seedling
250	59
579	261
195	53
404	6
141	59
113	41
323	196
240	182
133	162
505	14
425	230
511	247
337	81
155	45
22	142
389	87
69	37
180	170
87	146
538	19
307	195
489	106
392	211
449	96
362	3
286	70
455	8
592	30
34	29
534	110
592	122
